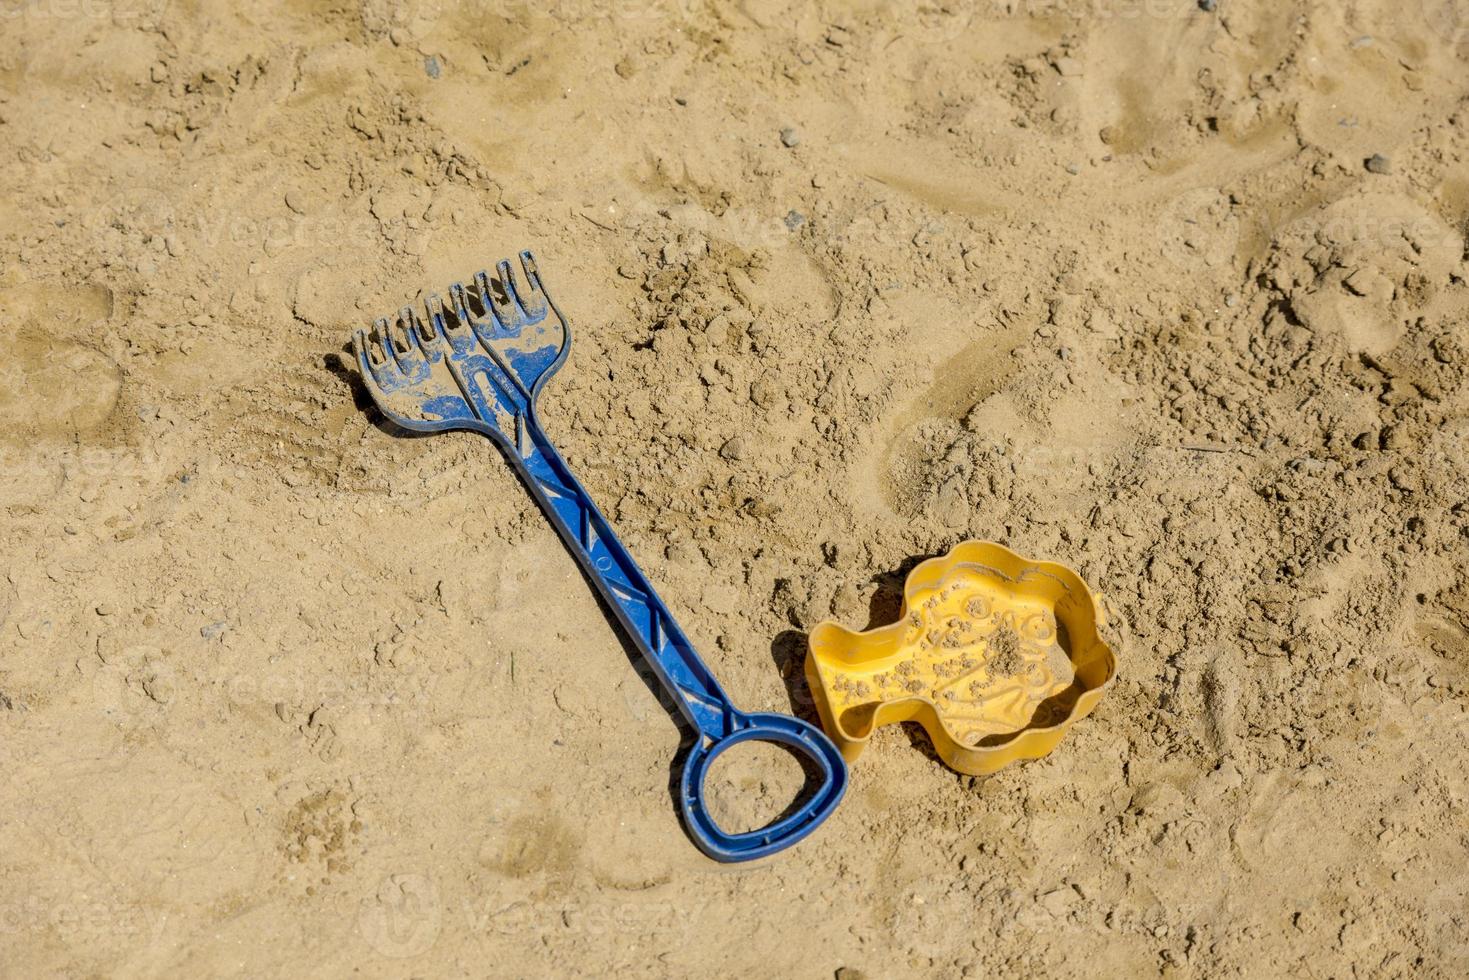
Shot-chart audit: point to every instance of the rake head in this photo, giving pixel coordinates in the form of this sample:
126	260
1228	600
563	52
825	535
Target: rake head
476	362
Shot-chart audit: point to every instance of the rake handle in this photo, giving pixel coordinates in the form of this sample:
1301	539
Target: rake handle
700	700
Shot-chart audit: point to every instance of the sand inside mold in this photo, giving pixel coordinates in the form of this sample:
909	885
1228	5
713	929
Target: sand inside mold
282	693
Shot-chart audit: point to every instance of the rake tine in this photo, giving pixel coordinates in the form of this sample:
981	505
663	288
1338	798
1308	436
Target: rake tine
533	298
364	347
508	312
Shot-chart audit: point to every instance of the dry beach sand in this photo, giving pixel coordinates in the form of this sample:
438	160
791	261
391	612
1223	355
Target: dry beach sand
1174	296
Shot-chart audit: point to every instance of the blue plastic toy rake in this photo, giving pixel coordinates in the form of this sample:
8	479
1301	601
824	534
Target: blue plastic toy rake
479	363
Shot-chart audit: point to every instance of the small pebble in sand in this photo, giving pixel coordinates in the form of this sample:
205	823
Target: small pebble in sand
789	137
1209	6
431	67
1379	164
794	220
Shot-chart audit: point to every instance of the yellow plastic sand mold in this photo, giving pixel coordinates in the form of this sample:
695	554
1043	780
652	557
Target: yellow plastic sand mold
994	655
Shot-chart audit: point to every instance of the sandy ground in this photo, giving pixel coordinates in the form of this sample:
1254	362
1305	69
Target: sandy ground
1108	281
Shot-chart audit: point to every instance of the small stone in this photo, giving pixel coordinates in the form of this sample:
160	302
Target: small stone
1208	6
850	973
1379	164
794	220
734	449
214	630
789	137
431	67
1068	67
106	609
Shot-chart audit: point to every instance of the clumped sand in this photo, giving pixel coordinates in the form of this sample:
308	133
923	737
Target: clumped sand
1002	653
1110	282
